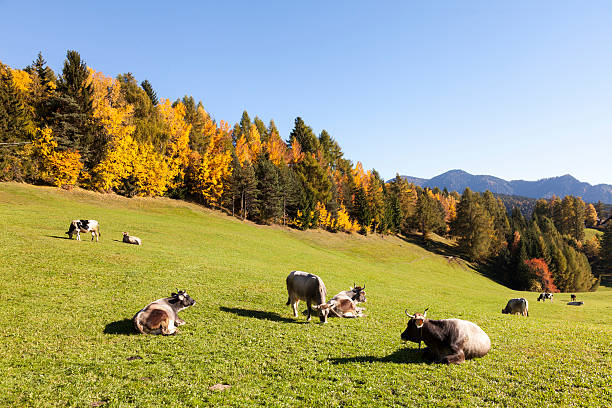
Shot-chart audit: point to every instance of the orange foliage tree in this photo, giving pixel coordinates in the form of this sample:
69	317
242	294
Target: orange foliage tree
539	270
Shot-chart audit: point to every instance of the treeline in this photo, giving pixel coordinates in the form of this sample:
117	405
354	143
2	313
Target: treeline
115	135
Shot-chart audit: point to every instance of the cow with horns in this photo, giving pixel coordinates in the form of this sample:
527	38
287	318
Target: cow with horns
447	340
344	304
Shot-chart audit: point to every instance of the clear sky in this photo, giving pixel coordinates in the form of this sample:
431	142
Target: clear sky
515	89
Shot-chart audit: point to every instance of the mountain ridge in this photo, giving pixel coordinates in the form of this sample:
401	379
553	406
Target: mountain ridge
560	186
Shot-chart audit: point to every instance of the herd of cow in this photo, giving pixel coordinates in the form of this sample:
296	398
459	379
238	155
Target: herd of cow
447	340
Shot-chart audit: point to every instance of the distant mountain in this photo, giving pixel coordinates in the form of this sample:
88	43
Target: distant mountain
458	180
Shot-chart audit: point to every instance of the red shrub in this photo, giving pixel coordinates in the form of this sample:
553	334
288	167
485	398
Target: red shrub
538	268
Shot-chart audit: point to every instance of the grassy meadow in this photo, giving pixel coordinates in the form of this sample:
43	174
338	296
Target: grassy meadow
68	340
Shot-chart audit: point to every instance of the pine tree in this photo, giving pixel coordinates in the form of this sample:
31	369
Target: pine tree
71	109
363	214
473	227
261	129
305	136
606	247
429	214
269	194
148	88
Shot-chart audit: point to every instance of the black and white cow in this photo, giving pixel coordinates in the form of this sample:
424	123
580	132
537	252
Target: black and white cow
544	296
78	226
447	340
309	288
161	316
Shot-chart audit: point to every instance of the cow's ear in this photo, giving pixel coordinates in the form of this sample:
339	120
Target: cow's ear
419	323
173	294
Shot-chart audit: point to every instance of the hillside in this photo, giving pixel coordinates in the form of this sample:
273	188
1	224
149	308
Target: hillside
458	180
67	339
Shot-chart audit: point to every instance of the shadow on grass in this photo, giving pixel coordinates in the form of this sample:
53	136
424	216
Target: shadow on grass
57	237
402	355
259	314
124	326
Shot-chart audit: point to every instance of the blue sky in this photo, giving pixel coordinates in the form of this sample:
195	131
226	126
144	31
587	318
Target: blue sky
519	90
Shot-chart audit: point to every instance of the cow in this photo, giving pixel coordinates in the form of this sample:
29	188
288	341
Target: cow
161	316
78	226
131	240
517	305
545	295
447	340
343	305
309	288
573	297
356	293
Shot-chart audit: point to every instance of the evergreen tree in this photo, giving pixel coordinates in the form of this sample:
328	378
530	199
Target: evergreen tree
148	88
71	110
429	214
244	188
262	129
305	136
606	247
316	185
290	193
473	227
269	194
363	214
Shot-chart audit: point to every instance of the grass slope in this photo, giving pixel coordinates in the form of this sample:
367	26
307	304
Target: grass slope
67	340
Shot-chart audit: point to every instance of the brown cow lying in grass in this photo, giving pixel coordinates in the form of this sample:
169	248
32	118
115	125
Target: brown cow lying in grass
447	340
161	316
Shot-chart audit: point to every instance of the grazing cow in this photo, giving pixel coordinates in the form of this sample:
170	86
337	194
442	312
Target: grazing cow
343	305
447	340
544	296
161	316
518	305
78	226
131	240
573	297
309	288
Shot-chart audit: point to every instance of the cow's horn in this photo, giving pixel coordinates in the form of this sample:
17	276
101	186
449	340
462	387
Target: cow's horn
425	312
409	315
363	287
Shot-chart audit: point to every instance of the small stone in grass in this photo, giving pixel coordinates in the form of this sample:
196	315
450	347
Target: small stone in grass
219	387
134	358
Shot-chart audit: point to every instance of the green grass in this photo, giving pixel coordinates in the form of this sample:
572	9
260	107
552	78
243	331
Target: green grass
67	338
589	233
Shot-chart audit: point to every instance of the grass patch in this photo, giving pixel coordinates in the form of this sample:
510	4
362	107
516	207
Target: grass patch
66	305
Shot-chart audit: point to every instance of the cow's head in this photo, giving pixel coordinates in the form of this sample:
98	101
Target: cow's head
125	234
414	331
74	226
323	311
182	299
360	295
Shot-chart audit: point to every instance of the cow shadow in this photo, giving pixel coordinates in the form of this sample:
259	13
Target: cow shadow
259	314
402	355
124	326
58	237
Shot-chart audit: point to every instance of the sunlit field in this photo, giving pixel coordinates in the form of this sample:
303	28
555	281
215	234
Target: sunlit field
67	339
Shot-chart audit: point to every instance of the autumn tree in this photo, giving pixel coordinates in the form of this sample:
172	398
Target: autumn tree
538	270
590	216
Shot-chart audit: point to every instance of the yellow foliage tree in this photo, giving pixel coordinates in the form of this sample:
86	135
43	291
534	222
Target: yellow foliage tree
277	149
59	168
208	171
177	149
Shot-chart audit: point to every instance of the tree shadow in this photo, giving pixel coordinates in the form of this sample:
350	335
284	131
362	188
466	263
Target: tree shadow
402	355
259	314
125	326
